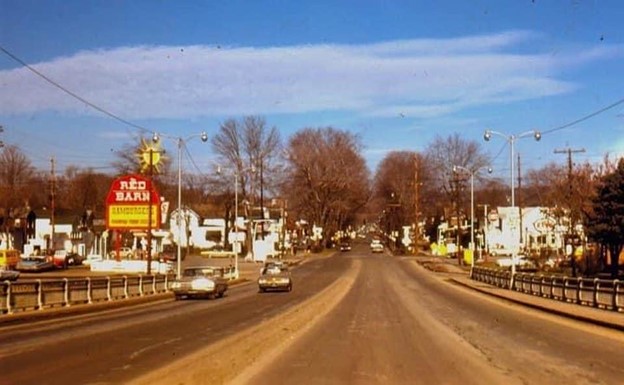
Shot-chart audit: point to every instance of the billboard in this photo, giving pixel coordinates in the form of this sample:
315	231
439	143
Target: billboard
129	202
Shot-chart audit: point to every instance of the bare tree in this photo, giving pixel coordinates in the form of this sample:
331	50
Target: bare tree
249	151
444	191
16	173
398	188
328	181
252	151
444	153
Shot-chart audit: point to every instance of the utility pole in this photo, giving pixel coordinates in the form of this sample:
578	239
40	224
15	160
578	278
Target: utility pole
416	221
456	183
149	214
569	151
520	201
52	198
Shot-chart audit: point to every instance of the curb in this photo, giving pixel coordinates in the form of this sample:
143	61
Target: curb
543	308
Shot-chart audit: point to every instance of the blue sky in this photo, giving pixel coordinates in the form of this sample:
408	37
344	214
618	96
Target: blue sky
397	73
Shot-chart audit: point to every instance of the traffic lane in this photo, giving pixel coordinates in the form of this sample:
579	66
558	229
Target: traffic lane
118	349
403	325
374	336
534	346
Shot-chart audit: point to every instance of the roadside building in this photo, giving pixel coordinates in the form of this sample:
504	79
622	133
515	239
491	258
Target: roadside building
535	231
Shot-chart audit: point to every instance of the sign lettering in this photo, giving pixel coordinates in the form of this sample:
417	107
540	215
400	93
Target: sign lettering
129	202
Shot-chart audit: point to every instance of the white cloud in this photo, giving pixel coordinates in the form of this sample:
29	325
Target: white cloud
419	78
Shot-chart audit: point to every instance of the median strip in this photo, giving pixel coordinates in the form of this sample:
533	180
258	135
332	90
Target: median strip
235	359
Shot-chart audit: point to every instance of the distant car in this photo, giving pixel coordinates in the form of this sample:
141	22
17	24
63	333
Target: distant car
75	259
9	275
170	254
345	246
35	264
92	258
9	259
521	261
200	282
124	253
376	246
500	252
63	258
274	277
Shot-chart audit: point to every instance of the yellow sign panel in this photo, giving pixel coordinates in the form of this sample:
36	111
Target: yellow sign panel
132	216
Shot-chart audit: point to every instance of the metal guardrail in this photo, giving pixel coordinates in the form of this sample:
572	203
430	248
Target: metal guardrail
595	292
37	295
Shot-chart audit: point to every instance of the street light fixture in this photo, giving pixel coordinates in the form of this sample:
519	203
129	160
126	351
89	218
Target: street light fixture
487	135
472	219
180	141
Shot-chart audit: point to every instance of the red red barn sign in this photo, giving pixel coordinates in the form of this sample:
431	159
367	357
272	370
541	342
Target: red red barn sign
128	204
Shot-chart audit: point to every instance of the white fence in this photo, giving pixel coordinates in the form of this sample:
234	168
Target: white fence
601	293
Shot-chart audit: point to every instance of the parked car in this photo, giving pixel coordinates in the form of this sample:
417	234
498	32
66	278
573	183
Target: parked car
170	254
275	277
9	259
376	246
63	259
35	263
124	253
521	261
200	281
9	275
92	258
345	246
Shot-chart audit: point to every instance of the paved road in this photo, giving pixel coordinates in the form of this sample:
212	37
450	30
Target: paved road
390	322
116	346
402	325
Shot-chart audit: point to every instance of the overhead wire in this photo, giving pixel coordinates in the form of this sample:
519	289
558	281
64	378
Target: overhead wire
584	118
71	93
192	160
572	123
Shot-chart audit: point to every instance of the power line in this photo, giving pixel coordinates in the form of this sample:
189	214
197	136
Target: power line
586	117
71	93
192	160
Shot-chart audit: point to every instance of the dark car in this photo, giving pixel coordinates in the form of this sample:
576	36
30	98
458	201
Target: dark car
275	277
9	275
170	254
35	264
345	246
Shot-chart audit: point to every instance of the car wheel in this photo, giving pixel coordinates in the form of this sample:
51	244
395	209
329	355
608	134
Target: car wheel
261	290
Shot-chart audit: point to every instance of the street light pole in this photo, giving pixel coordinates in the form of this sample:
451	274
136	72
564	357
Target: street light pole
511	139
472	216
235	224
180	142
179	217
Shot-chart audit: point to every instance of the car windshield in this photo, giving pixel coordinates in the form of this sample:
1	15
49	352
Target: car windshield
273	270
199	272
